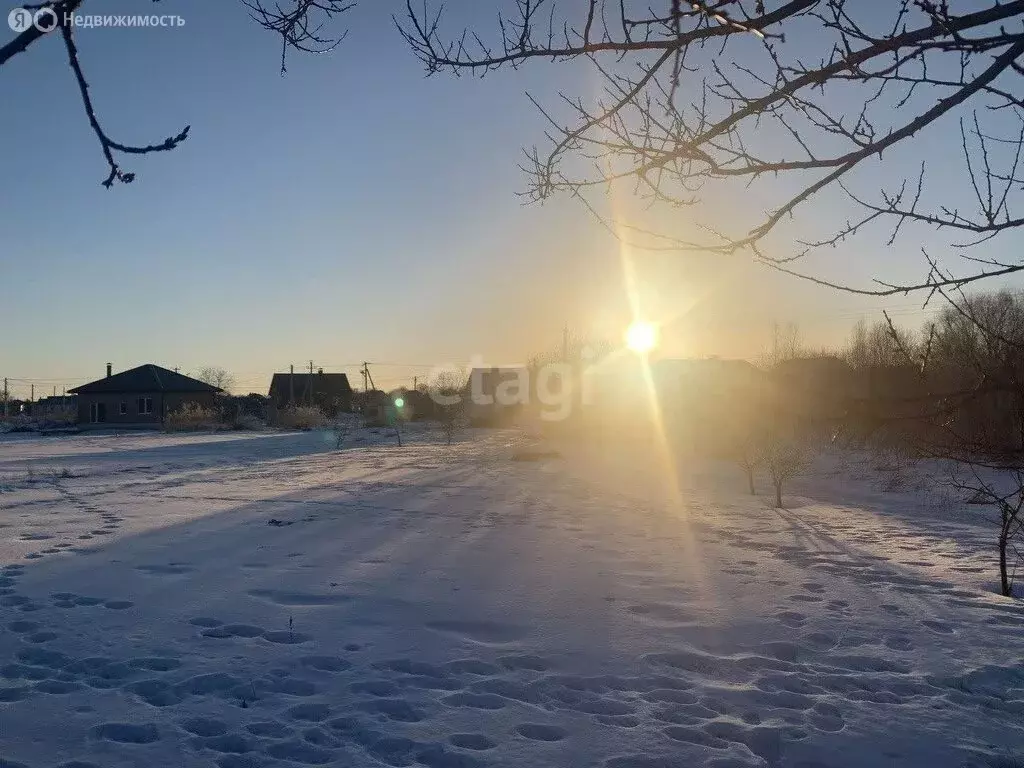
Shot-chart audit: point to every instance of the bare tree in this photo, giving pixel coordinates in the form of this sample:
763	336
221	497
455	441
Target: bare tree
784	455
446	389
971	412
1008	500
301	25
342	426
786	345
748	452
217	377
879	345
794	100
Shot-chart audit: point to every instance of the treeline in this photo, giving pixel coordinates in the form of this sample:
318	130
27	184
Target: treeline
953	390
954	387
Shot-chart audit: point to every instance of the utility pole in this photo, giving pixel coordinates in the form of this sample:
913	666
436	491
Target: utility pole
365	372
309	385
32	396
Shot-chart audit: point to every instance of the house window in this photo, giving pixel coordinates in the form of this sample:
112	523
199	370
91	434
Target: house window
124	408
97	412
145	406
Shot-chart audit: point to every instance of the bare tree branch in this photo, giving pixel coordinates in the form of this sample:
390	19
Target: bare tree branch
699	95
301	28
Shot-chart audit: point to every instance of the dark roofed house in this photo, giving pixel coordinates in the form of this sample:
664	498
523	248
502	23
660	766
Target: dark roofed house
139	398
57	404
820	389
330	392
705	400
496	396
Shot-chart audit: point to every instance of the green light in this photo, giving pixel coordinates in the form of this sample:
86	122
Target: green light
399	402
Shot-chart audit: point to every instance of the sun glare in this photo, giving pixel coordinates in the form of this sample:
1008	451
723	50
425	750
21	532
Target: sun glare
642	337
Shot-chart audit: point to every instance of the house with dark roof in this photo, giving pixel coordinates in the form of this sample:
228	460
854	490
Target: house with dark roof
704	403
139	398
818	389
496	396
330	392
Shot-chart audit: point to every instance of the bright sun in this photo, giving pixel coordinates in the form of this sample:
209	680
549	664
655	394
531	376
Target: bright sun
642	337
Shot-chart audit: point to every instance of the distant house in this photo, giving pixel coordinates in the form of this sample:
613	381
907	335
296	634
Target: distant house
12	407
417	404
50	406
496	396
330	392
893	400
139	398
819	389
376	407
707	400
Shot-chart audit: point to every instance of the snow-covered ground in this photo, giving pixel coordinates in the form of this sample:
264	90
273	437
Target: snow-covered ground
254	600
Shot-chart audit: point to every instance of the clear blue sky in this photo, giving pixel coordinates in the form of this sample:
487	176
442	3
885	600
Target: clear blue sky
351	210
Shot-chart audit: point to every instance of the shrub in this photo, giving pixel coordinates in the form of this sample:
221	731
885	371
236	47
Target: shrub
300	417
191	417
243	420
785	455
58	417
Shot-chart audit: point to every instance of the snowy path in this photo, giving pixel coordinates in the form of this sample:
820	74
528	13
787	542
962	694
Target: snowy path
420	606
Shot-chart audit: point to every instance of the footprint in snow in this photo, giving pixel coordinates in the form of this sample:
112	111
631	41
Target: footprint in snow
20	627
393	709
300	752
381	688
472	667
299	599
171	569
204	726
234	630
269	729
475	701
475	741
536	732
526	661
228	743
41	637
483	632
899	643
127	733
310	713
791	618
662	612
325	663
801	598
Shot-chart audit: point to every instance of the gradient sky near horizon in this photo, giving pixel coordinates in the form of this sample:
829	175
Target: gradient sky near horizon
352	210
